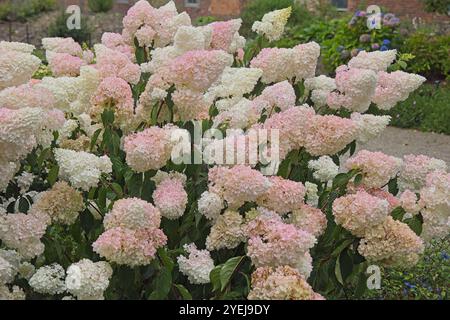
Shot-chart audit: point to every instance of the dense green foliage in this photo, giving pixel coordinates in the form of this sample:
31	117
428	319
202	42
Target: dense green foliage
427	280
431	53
100	5
23	9
439	6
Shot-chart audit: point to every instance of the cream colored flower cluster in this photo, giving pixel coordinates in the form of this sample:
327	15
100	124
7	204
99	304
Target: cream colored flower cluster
197	265
87	280
272	24
82	169
384	240
281	283
61	203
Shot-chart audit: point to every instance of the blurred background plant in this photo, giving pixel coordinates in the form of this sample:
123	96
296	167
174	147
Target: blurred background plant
21	10
432	52
204	20
439	6
100	5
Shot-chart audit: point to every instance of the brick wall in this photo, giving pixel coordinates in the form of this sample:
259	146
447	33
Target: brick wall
217	8
402	8
119	7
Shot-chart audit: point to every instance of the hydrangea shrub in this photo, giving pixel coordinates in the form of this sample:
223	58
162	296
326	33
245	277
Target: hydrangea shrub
103	194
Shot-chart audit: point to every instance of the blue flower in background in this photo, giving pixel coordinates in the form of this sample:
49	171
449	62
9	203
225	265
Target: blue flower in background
444	255
409	285
386	42
384	48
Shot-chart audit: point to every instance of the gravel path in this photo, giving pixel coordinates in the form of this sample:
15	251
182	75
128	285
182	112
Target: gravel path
399	142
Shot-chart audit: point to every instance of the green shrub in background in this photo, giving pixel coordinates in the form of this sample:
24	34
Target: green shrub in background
439	6
427	280
21	10
201	21
427	109
59	29
431	52
100	5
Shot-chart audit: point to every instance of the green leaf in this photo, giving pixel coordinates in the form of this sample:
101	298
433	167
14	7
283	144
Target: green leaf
352	148
340	180
393	187
184	292
398	213
43	156
53	175
95	138
345	264
101	201
228	269
139	52
24	205
214	276
108	117
402	64
361	286
163	284
134	185
154	113
415	223
117	189
341	247
358	179
166	260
